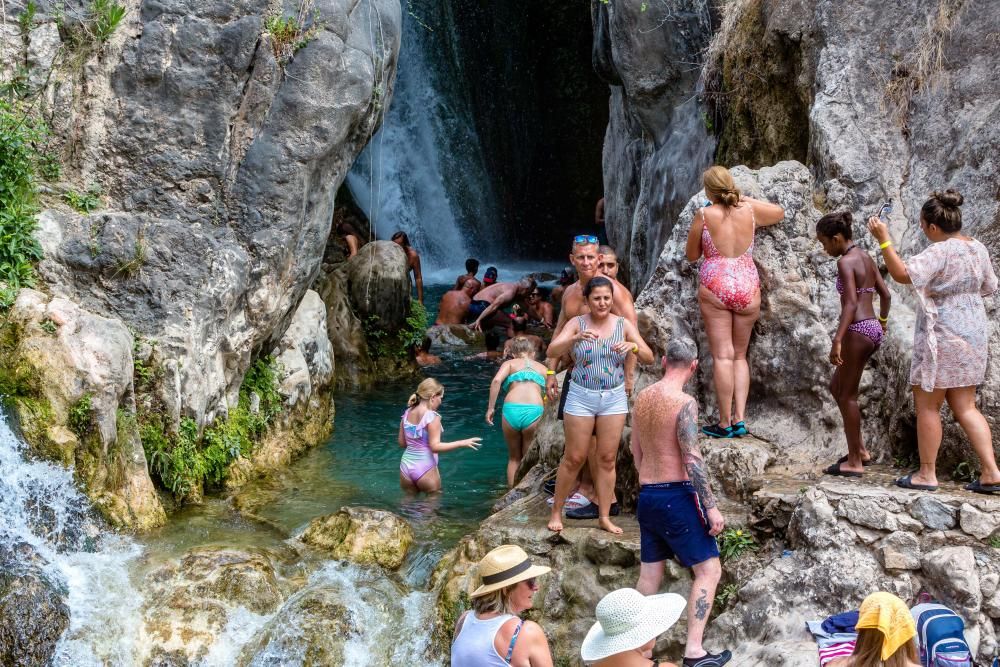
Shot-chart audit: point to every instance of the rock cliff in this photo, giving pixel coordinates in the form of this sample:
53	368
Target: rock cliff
202	145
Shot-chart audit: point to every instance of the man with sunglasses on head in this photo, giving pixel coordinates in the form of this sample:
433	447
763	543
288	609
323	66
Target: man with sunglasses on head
585	258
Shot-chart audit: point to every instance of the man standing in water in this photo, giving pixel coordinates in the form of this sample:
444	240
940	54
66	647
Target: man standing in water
585	258
491	299
454	306
678	515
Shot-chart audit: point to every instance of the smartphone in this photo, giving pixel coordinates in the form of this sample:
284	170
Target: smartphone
885	210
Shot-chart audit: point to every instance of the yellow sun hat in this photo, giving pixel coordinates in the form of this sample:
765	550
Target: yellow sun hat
889	615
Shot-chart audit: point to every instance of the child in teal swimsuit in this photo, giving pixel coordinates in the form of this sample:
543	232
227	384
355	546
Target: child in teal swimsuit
523	379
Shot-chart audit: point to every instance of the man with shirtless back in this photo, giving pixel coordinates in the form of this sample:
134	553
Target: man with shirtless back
585	258
454	306
677	512
492	299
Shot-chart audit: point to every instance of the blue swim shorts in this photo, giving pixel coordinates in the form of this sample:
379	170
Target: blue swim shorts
671	524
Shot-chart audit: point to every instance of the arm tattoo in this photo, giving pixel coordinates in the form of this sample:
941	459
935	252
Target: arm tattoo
701	605
687	438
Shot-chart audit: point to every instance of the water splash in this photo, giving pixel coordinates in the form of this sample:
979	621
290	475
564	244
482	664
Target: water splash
424	171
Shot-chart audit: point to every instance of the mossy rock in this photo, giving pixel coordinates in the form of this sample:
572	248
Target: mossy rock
362	535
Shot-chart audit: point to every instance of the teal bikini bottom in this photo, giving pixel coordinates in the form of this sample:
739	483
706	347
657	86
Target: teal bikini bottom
521	415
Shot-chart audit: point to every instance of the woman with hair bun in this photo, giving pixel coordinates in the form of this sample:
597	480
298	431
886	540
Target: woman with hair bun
950	340
420	433
859	333
729	293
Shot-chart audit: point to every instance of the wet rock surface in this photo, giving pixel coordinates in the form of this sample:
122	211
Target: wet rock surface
361	535
32	607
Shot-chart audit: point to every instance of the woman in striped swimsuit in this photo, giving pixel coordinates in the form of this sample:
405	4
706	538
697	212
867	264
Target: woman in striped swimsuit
420	433
599	343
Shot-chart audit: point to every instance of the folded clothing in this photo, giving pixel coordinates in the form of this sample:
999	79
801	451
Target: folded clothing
833	651
845	622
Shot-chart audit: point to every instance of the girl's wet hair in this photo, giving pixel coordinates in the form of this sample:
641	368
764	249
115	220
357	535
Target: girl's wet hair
426	390
594	283
402	237
942	209
832	224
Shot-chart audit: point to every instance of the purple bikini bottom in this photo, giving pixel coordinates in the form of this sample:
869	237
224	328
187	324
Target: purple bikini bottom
870	329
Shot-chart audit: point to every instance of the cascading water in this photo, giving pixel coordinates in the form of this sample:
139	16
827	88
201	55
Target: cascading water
423	172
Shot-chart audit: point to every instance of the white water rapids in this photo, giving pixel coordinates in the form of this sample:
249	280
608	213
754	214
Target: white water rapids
102	575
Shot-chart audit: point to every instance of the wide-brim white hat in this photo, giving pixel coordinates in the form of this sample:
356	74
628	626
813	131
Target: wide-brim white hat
504	566
627	619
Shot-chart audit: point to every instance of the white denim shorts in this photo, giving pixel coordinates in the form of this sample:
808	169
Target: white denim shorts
582	402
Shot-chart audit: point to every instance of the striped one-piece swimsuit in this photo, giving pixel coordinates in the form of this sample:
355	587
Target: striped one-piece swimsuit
597	366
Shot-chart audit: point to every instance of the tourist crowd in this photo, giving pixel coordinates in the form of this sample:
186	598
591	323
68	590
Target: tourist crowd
595	339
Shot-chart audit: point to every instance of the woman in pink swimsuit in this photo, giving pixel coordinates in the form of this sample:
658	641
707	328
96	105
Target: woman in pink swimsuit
859	331
420	433
729	294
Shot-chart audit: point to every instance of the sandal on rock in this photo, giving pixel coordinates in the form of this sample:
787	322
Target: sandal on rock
836	470
549	486
717	431
907	483
979	487
843	459
574	501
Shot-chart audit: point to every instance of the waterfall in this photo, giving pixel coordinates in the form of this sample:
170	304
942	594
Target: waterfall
424	172
40	507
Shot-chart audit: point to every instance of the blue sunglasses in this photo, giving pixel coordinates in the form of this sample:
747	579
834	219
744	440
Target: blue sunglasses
584	239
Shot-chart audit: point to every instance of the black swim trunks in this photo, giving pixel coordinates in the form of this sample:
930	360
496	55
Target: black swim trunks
564	392
476	308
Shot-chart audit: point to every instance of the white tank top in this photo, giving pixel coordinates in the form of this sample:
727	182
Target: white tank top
473	646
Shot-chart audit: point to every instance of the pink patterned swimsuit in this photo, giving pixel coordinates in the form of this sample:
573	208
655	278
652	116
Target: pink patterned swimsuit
869	328
734	280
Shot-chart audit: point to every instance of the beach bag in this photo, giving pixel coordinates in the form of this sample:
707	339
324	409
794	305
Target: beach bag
941	635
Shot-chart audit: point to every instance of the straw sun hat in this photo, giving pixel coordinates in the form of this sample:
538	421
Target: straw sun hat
627	619
504	566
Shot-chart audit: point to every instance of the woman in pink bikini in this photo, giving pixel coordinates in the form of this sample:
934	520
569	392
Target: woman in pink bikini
859	332
729	294
420	433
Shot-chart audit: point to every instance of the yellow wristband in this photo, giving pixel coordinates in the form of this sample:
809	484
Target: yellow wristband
635	348
885	244
882	319
550	372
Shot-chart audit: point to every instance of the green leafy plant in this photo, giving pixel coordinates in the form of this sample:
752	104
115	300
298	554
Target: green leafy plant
95	244
291	33
49	166
48	326
994	541
734	542
26	19
105	17
726	595
384	344
20	135
963	472
85	202
144	374
186	460
81	416
130	266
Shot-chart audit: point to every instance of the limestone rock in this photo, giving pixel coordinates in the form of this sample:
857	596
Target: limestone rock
361	535
379	284
933	513
814	523
34	617
899	551
951	577
737	469
863	512
980	525
305	353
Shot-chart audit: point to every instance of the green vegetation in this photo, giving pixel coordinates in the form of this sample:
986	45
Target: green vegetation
726	596
383	344
21	135
131	265
81	416
734	542
48	326
105	17
144	374
291	33
963	472
994	541
87	201
186	460
26	19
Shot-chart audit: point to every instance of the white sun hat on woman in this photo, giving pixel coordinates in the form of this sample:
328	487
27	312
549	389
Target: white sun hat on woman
627	619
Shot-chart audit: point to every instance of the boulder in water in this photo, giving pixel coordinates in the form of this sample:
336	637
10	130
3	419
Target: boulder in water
362	535
33	612
379	284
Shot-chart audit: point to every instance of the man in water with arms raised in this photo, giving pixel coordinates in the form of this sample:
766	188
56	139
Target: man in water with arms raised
492	299
677	512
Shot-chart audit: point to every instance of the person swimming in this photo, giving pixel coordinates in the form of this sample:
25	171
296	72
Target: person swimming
420	433
539	310
471	269
422	353
454	305
523	379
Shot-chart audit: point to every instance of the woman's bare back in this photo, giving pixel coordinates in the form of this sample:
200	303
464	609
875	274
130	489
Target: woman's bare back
731	228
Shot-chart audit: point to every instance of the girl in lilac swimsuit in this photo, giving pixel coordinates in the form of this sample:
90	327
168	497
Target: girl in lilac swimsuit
859	331
420	433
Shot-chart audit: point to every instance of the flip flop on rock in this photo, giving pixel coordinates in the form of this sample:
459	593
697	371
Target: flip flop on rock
907	483
843	459
835	469
979	487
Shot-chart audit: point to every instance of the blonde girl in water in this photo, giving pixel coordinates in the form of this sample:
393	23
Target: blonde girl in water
420	433
523	379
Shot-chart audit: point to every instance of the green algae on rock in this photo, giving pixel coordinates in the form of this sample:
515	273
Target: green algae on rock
361	535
